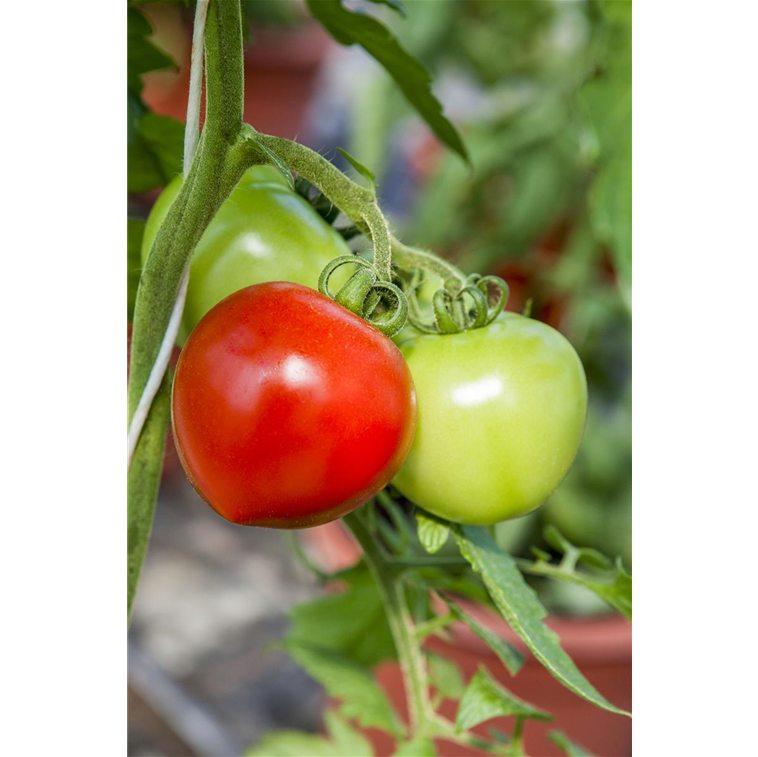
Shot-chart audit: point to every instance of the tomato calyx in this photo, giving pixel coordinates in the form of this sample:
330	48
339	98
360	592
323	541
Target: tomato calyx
470	307
365	294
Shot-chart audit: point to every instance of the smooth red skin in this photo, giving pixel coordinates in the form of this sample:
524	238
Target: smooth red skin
288	410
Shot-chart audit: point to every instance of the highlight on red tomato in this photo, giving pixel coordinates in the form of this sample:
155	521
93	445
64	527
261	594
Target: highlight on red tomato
501	416
288	410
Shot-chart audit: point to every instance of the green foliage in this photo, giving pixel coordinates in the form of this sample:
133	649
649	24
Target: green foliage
154	149
338	638
135	228
351	622
350	28
508	655
142	55
519	605
607	99
350	682
445	677
342	741
396	5
484	699
154	142
609	581
419	747
433	532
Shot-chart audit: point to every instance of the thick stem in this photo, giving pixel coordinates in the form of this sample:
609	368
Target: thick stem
409	654
210	181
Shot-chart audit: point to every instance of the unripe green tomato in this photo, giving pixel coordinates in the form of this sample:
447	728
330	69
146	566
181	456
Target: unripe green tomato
501	413
263	232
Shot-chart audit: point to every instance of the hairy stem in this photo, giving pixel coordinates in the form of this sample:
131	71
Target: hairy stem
356	202
401	624
213	174
412	259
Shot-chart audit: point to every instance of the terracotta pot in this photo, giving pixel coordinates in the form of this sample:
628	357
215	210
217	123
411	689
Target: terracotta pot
281	66
600	646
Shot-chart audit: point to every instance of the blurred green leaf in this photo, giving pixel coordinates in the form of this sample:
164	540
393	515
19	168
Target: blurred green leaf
421	746
396	5
611	209
445	676
607	101
570	748
608	581
350	682
433	532
351	622
350	28
135	228
520	606
142	54
343	741
484	699
154	148
508	655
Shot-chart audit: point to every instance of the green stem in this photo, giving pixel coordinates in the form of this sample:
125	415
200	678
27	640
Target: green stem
360	206
412	259
215	171
409	654
356	202
437	623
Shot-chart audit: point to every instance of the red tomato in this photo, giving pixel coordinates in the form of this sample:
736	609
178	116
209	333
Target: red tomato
288	410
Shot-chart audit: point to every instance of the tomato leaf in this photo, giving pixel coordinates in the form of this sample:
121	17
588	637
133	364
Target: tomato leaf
394	4
433	532
484	699
519	605
343	741
609	581
141	54
350	28
359	167
445	677
509	656
351	622
135	228
421	746
154	148
569	747
354	684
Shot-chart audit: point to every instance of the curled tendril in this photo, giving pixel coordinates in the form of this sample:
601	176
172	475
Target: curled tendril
363	292
469	308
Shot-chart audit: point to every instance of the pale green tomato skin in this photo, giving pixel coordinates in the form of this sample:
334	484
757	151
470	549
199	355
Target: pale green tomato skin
501	413
263	232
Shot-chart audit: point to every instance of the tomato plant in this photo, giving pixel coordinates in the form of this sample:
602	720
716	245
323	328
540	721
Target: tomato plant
501	415
291	407
288	410
262	232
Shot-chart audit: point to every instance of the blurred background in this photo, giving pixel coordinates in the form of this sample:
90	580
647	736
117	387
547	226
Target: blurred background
541	92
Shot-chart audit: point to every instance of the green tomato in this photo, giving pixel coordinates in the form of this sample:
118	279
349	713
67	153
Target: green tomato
263	232
501	413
